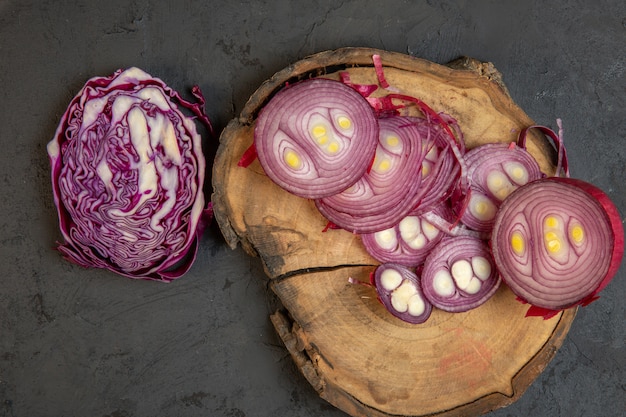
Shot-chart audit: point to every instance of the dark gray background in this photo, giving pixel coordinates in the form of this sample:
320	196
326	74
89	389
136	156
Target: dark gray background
76	342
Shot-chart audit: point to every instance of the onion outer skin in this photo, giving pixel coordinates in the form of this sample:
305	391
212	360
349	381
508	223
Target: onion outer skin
597	203
283	126
146	206
384	296
443	257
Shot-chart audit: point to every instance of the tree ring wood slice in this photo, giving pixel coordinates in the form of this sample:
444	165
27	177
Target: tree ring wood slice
352	351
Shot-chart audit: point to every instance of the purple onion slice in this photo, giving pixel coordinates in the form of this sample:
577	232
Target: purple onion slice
392	187
557	242
494	170
399	290
459	274
408	242
440	168
316	138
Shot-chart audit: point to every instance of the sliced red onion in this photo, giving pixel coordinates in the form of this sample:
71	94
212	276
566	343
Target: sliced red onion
316	138
494	170
558	242
399	179
449	225
408	242
562	164
459	274
399	290
445	134
364	89
440	168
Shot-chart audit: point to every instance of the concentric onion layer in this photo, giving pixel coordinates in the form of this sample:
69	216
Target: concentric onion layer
399	289
440	168
555	243
392	187
459	274
316	138
494	171
127	176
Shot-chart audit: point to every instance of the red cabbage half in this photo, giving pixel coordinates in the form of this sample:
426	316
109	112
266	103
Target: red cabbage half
127	176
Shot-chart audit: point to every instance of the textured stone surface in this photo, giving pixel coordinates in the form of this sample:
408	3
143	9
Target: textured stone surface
86	342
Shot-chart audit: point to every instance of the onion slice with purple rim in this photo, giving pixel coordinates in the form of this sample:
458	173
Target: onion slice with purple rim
440	168
399	290
408	242
390	189
399	179
494	170
557	243
315	138
459	274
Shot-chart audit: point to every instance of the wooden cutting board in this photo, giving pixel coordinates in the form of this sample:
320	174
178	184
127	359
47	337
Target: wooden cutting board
352	351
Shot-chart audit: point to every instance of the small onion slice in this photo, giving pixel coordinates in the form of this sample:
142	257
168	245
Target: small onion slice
315	138
399	290
494	171
390	189
408	242
557	243
459	274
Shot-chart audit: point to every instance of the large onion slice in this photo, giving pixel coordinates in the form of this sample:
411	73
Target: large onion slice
393	186
557	242
459	274
316	138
